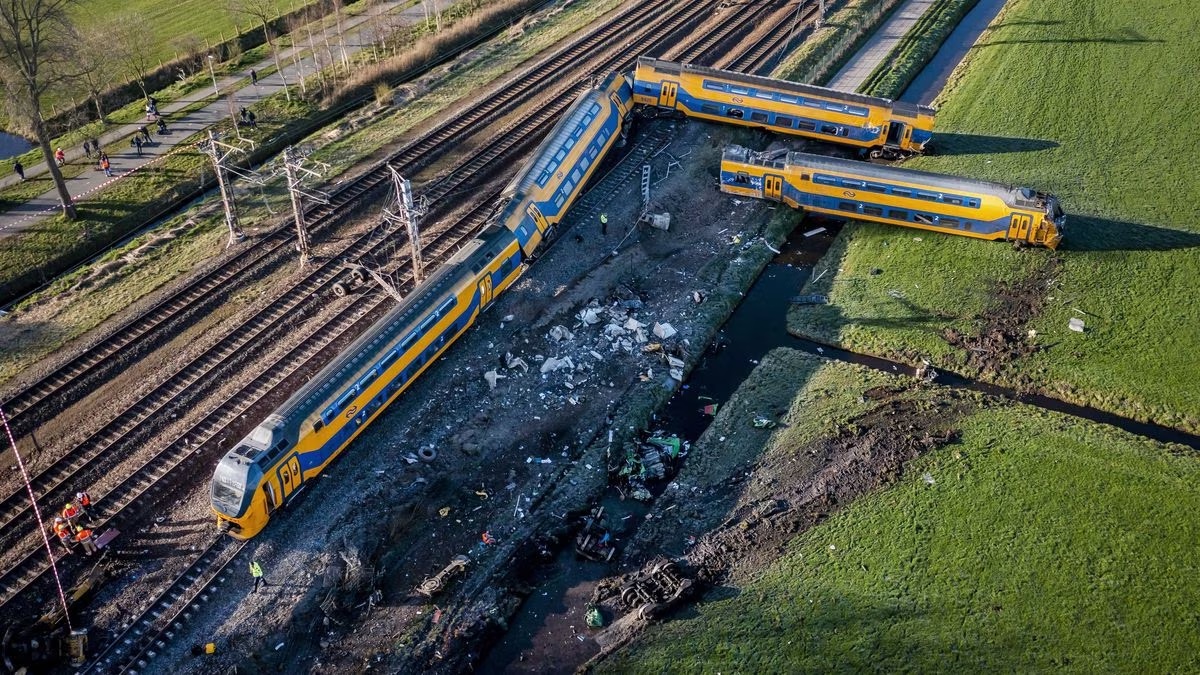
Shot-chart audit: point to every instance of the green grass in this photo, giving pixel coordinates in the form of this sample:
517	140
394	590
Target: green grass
1044	542
1088	99
893	75
828	47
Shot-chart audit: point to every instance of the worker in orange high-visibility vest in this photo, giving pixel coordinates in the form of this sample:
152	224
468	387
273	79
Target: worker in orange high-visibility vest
85	539
70	512
62	530
83	501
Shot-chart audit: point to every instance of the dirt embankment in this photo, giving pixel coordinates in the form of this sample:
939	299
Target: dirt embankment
1003	335
749	516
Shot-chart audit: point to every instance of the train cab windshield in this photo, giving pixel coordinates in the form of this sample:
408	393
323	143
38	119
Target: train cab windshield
230	481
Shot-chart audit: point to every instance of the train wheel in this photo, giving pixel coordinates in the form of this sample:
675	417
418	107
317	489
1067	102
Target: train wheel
427	453
876	154
339	290
358	276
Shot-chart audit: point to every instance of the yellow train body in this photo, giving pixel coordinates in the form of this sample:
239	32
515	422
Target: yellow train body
879	127
896	196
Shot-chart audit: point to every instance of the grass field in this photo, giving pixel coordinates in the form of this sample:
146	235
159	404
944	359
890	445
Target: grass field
1088	99
1043	542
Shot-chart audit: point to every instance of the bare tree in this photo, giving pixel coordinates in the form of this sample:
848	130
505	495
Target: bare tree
37	40
131	49
99	68
295	23
263	11
337	13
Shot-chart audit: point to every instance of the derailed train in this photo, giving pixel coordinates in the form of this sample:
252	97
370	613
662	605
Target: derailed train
295	443
896	196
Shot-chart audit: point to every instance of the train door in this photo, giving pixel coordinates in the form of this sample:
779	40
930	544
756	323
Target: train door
537	216
895	132
485	290
1019	227
773	187
290	476
667	94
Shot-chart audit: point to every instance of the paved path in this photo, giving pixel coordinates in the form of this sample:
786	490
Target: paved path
877	48
929	83
124	157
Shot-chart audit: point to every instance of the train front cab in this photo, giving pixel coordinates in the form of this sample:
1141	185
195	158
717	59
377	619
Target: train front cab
908	130
1044	225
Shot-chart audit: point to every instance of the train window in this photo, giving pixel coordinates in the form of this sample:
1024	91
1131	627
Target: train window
876	187
973	203
821	179
715	86
847	206
741	91
850	182
593	151
709	109
952	200
782	121
898	215
736	113
805	176
389	359
560	200
741	177
829	129
966	224
805	125
949	222
770	96
929	196
758	116
318	425
872	210
924	219
901	192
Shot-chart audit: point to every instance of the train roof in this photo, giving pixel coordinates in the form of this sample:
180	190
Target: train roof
1008	193
544	154
901	107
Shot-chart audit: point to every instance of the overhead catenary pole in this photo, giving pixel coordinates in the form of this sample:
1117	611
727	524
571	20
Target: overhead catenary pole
219	152
408	214
294	169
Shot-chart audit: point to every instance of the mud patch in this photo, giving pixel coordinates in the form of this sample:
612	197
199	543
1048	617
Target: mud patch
786	493
1003	336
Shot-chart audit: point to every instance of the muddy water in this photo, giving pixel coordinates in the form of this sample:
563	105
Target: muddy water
11	145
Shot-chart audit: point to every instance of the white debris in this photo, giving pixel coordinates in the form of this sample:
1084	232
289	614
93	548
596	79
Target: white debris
612	330
664	330
632	324
560	333
1075	324
676	374
814	232
491	376
927	478
588	316
554	363
596	355
674	362
513	362
508	318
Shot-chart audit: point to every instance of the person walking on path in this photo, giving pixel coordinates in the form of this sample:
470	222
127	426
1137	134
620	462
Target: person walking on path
253	77
145	133
87	148
137	143
19	169
105	165
60	157
256	571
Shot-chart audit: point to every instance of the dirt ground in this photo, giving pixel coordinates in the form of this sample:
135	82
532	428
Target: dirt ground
1002	335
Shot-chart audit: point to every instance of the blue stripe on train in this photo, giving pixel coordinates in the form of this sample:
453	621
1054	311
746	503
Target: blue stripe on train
693	103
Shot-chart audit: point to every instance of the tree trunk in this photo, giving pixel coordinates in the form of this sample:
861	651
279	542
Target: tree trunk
43	137
99	109
278	68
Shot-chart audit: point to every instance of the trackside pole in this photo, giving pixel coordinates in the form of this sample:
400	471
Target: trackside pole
62	597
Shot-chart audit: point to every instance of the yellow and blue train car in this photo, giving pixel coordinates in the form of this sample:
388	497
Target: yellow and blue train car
897	196
566	159
314	426
879	127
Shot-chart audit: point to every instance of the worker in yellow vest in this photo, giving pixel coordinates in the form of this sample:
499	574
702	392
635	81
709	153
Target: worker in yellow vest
257	572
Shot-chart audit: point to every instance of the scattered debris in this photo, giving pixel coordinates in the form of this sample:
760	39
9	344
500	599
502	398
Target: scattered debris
651	592
594	540
560	334
664	330
433	585
492	376
1076	324
763	422
814	232
876	271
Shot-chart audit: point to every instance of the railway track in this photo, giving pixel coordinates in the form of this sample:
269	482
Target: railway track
786	25
59	480
74	379
116	501
130	654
